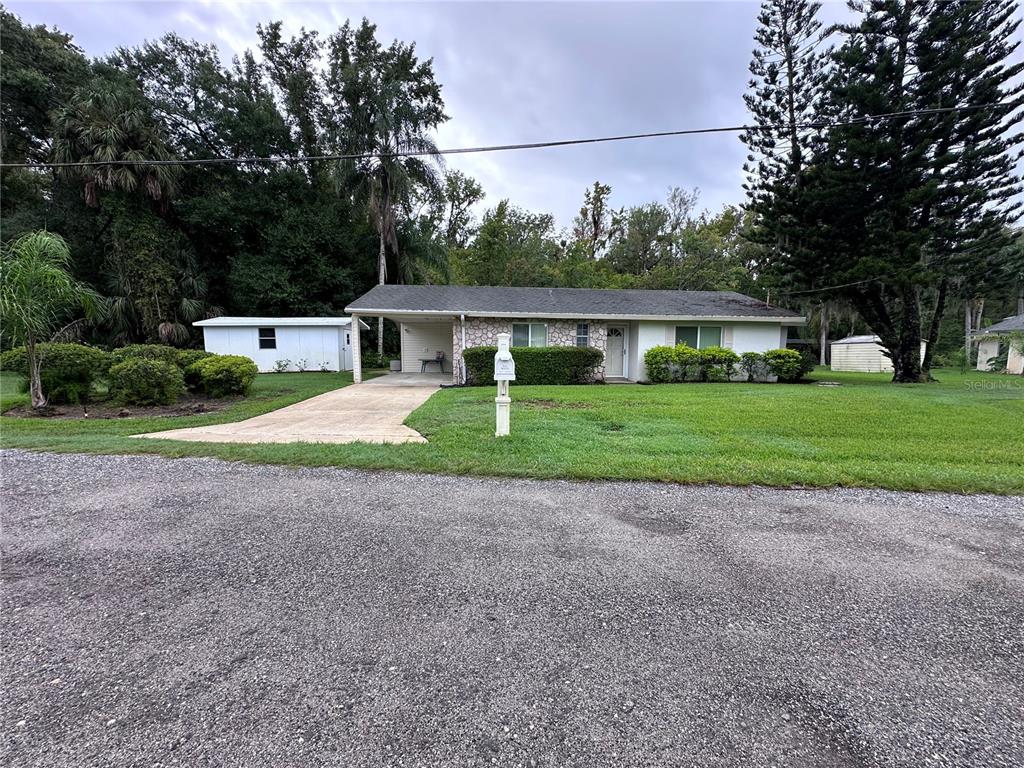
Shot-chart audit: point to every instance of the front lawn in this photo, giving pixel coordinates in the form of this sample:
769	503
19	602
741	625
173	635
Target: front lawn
961	434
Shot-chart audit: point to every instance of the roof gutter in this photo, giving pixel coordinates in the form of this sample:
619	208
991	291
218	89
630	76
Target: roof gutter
783	319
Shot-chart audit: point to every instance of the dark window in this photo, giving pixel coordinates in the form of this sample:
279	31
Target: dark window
268	338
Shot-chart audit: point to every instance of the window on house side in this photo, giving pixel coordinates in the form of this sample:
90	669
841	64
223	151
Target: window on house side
699	336
268	338
529	335
582	335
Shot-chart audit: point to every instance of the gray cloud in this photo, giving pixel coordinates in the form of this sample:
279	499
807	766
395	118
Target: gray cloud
521	72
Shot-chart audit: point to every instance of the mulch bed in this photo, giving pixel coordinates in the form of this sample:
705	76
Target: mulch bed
187	406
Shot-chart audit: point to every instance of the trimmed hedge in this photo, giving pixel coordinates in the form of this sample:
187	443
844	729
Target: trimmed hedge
145	381
221	375
535	365
67	371
684	363
185	357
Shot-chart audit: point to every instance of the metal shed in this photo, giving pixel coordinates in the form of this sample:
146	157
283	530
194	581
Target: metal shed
863	354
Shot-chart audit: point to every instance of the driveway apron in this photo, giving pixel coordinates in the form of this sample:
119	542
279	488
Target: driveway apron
370	412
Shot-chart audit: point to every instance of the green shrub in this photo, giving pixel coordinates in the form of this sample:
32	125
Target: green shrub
370	359
222	375
717	363
67	371
785	364
535	365
145	381
161	352
687	361
752	364
185	357
660	362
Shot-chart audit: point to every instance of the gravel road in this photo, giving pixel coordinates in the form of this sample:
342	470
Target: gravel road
196	612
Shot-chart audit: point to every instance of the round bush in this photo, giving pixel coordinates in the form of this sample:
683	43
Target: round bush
185	357
67	371
660	362
147	352
784	364
141	381
752	364
222	375
718	363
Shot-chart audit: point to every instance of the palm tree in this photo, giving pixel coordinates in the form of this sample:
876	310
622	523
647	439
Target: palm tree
110	123
38	295
398	158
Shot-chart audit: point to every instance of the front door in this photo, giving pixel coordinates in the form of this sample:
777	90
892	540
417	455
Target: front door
615	356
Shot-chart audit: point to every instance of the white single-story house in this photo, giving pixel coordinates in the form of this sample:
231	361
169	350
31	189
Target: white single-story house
991	343
439	321
863	354
304	343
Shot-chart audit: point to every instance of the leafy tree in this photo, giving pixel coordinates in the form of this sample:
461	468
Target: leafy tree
386	101
37	297
512	247
461	193
593	223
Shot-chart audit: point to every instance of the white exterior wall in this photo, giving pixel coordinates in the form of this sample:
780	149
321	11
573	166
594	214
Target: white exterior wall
425	340
319	346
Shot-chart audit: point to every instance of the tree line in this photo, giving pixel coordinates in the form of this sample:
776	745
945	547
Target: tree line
167	244
883	224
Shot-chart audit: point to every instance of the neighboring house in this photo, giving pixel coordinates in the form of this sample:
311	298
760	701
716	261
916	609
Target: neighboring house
310	343
863	354
992	342
623	324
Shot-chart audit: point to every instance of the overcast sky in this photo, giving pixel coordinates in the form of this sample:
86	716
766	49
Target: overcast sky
522	72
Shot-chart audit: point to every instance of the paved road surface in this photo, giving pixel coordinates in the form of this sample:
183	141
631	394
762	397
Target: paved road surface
194	612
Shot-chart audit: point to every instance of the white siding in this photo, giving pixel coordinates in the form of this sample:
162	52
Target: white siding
756	337
425	340
987	349
317	345
862	358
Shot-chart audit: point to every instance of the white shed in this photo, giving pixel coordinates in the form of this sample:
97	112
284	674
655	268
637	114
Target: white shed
304	343
863	354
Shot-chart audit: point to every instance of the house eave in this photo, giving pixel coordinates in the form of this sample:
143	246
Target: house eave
381	311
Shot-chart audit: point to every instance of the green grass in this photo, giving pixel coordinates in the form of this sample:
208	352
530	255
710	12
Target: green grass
960	434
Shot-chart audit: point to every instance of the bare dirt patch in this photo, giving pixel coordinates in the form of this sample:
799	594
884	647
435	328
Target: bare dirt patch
187	406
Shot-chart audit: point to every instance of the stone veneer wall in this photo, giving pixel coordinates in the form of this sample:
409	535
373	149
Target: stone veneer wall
483	332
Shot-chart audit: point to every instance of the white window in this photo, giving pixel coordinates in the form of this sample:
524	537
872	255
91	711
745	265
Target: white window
268	338
529	335
699	336
582	335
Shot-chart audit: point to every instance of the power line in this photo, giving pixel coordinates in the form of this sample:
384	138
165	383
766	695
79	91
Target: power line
508	147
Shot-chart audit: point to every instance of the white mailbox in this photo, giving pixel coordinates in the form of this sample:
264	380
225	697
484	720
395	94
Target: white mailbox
504	365
504	372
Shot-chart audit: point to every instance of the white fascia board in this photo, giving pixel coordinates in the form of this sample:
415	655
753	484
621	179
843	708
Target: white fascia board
271	322
578	316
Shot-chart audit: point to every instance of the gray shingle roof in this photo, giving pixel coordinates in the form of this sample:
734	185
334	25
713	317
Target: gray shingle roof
1015	323
562	302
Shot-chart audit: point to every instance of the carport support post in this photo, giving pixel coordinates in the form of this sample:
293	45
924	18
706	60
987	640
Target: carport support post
357	356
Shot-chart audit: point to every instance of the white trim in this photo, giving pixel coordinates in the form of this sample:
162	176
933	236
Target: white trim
271	322
787	320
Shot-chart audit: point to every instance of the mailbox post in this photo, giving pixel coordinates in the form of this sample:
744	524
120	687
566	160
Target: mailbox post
504	372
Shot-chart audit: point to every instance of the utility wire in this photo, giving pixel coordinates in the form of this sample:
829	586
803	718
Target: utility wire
507	147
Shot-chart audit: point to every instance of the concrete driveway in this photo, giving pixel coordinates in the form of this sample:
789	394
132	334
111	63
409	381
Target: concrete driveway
370	412
197	612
